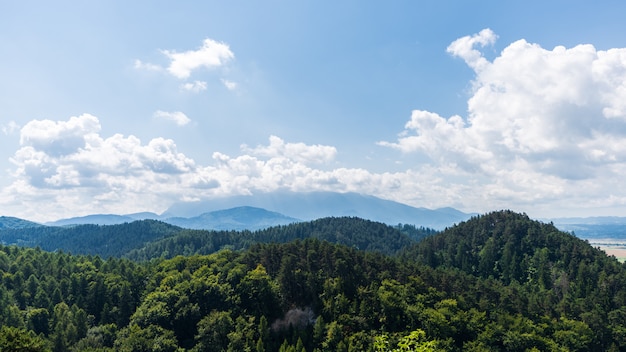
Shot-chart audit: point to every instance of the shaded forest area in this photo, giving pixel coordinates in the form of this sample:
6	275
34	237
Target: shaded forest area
148	239
497	282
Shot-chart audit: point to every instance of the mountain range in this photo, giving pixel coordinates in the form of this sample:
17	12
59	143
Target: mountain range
239	218
259	211
315	205
254	212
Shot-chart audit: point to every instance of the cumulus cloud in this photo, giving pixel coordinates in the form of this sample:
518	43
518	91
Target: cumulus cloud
542	106
66	166
541	123
545	129
176	116
121	174
59	137
253	172
465	48
299	152
63	153
212	54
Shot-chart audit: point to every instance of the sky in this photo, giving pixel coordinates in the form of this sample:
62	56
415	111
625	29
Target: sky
130	106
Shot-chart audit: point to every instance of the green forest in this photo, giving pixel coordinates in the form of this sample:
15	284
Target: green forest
497	282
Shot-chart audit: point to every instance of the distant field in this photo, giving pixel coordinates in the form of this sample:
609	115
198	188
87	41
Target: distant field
610	237
617	249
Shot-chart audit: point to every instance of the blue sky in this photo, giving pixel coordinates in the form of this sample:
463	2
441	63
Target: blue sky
121	107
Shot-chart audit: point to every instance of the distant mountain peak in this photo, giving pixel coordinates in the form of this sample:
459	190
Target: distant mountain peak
237	218
258	211
314	205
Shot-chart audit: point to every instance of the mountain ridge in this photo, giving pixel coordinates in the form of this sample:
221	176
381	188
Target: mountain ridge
238	218
150	239
93	219
282	208
9	222
314	205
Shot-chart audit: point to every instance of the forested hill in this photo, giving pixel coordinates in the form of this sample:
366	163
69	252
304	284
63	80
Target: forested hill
102	240
148	239
511	247
349	231
313	295
8	222
547	272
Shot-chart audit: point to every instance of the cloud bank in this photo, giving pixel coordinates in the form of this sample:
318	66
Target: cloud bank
545	132
66	168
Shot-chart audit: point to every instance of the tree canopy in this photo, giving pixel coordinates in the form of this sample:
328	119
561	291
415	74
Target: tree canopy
497	282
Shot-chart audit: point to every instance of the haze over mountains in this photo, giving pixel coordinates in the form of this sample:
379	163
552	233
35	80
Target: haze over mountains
238	218
254	212
280	208
315	205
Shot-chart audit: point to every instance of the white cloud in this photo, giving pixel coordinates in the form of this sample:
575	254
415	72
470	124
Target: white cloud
299	152
39	157
59	138
542	124
545	130
10	128
93	175
140	65
212	54
195	86
230	85
176	116
120	174
465	48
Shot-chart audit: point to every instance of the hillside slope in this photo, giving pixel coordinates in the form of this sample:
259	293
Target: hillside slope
509	246
310	294
148	239
349	231
102	240
8	222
